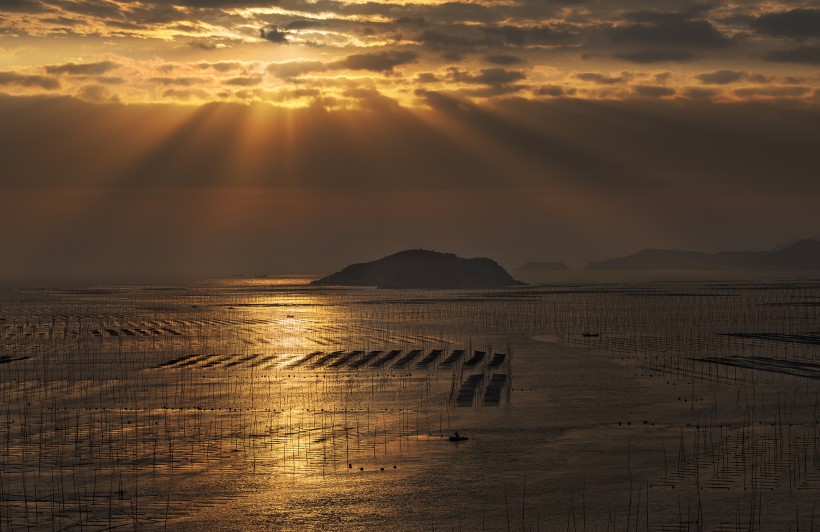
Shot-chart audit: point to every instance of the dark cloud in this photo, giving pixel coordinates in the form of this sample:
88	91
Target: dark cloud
603	79
219	4
538	35
302	24
426	77
83	69
377	62
667	29
183	81
293	69
203	45
244	81
418	22
773	92
23	6
554	91
487	76
807	55
656	56
794	24
700	93
24	80
721	77
463	36
458	37
274	35
652	91
93	8
503	59
222	66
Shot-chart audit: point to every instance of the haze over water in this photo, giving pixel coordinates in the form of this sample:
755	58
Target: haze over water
250	404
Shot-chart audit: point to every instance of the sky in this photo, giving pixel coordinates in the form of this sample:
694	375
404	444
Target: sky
215	137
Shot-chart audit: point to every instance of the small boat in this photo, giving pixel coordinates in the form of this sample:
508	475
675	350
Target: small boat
458	438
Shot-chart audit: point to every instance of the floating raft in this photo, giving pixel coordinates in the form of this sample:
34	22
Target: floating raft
492	396
346	358
454	357
386	358
497	360
357	359
430	358
476	359
305	359
467	391
365	359
406	359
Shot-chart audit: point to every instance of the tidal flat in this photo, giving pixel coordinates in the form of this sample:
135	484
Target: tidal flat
589	403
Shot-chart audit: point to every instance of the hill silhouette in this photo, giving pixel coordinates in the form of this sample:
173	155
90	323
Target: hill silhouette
801	255
420	268
544	267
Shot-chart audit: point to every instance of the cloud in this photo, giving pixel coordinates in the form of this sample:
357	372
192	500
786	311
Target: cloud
376	62
223	66
603	79
471	36
83	69
773	92
96	94
721	77
302	24
555	91
667	29
794	24
652	91
24	80
186	94
808	55
503	59
656	56
700	93
182	81
487	76
294	69
23	6
536	35
274	35
244	81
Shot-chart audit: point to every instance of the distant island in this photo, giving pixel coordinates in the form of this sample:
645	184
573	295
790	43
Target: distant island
801	255
420	268
544	267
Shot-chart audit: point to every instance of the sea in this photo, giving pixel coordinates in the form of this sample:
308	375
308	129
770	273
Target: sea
582	401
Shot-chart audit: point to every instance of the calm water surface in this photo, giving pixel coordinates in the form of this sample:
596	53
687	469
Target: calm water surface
663	404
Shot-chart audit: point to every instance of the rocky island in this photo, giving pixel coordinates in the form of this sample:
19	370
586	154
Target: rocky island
419	268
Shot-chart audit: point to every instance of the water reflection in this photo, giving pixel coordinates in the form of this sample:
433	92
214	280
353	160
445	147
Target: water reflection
255	405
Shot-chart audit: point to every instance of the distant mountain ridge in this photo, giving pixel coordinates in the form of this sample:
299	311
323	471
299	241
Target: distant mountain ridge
419	268
544	267
801	255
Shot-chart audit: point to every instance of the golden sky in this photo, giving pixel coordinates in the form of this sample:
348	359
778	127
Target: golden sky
211	137
343	54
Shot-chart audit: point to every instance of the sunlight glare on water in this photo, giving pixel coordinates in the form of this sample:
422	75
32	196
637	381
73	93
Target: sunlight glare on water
276	404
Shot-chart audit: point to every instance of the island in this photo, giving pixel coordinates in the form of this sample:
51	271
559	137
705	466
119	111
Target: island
544	267
802	255
419	268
